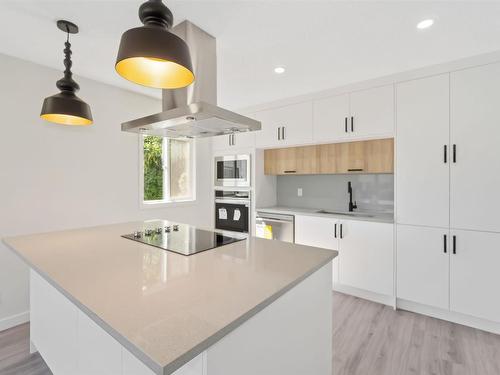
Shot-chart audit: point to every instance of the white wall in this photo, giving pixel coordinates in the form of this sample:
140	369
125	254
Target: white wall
54	177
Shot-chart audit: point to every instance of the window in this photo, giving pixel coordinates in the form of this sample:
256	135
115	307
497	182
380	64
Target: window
166	169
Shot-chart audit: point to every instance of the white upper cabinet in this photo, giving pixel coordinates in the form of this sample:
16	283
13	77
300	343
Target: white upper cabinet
331	118
285	126
475	134
423	265
233	141
422	152
366	256
474	276
360	114
372	112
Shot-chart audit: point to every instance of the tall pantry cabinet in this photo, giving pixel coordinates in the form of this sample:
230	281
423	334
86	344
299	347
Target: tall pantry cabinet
448	182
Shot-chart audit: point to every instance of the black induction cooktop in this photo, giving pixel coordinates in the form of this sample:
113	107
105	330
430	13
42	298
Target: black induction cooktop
181	238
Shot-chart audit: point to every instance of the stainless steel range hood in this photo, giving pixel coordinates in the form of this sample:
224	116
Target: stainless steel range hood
192	112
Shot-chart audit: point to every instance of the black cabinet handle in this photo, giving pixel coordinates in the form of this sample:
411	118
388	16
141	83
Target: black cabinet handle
279	134
283	132
335	230
355	170
454	244
445	243
289	171
352	123
454	153
346	124
445	154
341	234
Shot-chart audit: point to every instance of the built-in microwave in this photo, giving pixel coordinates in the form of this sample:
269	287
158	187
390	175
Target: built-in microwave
232	170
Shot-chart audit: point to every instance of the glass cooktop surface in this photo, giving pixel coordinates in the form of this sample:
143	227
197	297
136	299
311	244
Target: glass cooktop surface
181	238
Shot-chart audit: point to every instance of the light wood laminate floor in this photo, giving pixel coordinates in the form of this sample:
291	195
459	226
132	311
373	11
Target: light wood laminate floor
369	339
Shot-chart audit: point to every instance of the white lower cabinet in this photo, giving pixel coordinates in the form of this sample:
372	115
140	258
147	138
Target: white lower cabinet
319	232
474	274
458	272
366	255
366	250
423	265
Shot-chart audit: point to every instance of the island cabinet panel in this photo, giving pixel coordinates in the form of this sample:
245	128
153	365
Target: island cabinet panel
474	139
98	352
366	256
372	112
474	275
291	336
54	326
376	156
283	126
423	256
423	157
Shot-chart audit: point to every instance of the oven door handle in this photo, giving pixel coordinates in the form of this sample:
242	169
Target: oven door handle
272	220
243	202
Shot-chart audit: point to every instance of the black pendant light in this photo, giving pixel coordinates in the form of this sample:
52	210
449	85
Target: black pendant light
151	55
66	108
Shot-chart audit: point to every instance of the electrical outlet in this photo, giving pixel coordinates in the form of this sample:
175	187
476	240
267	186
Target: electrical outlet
299	192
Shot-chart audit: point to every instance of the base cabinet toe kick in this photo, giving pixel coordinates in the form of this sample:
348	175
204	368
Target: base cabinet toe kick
292	335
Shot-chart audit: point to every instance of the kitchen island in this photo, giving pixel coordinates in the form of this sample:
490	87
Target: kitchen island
103	304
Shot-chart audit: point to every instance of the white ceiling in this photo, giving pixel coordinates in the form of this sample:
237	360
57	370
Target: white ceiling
322	44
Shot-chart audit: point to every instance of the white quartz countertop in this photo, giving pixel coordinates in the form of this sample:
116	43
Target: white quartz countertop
381	217
163	307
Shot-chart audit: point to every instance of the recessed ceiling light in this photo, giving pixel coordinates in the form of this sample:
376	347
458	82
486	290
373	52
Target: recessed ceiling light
279	70
425	24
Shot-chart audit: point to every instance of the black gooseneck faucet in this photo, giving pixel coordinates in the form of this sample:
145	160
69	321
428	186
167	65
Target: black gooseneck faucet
352	206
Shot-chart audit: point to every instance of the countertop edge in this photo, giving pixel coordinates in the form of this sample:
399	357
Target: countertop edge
195	351
297	211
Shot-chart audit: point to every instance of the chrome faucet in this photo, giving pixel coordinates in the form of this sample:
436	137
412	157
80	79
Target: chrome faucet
352	206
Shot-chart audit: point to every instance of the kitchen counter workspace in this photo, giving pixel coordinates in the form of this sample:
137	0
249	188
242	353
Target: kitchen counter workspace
380	217
165	309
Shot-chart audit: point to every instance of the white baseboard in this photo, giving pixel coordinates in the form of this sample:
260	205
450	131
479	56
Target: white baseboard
451	316
14	320
365	294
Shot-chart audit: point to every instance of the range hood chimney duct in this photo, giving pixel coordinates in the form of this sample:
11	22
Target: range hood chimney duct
192	111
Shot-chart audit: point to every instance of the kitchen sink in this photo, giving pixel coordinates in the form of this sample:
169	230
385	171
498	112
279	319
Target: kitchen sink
354	214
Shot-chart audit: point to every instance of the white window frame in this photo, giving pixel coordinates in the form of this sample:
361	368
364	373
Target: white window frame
166	180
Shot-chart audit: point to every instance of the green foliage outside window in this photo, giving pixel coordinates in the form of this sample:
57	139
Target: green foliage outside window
153	168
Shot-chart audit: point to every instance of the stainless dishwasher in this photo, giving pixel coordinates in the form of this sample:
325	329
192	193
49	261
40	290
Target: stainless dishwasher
279	227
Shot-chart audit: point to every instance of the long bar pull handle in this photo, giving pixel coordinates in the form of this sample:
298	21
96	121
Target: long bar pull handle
335	230
454	153
346	124
279	134
352	123
233	140
283	132
454	244
445	154
445	243
341	234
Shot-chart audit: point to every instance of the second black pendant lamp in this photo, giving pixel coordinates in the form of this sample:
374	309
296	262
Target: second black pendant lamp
66	108
151	55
